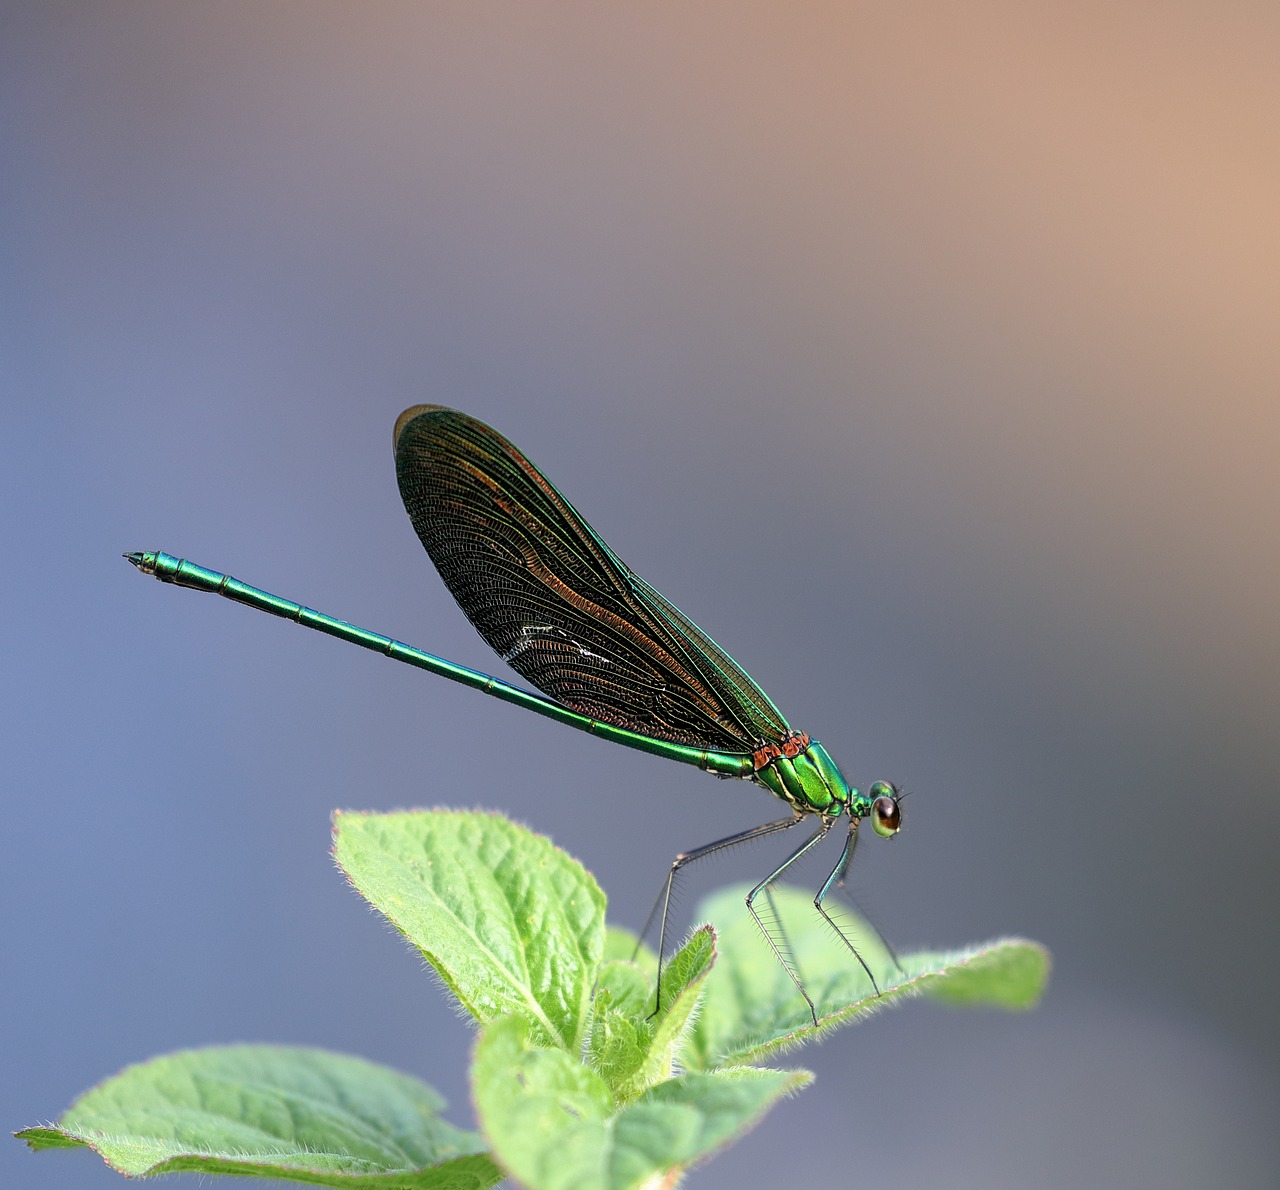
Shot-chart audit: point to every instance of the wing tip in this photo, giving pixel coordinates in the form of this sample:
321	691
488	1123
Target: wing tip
411	414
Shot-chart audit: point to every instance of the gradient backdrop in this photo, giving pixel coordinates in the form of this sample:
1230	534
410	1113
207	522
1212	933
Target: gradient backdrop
928	355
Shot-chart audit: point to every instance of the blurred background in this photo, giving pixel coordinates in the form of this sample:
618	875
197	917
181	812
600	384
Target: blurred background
926	355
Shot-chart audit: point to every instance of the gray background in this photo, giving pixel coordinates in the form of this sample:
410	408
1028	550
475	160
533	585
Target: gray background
926	355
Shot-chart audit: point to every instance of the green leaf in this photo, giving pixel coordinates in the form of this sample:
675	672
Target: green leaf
510	922
553	1124
682	982
690	1117
1008	973
632	1046
618	1043
628	986
304	1115
751	1009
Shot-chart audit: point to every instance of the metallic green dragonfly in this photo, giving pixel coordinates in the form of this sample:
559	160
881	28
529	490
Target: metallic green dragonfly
609	653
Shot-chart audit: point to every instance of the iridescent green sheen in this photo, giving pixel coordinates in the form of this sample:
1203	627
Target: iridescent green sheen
811	782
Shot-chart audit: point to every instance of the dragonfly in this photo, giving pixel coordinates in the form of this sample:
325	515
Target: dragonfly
609	654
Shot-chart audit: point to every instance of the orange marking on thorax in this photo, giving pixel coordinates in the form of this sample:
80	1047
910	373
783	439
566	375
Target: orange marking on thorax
790	747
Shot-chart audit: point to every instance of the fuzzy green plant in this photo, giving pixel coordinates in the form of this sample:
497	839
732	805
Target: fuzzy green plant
577	1083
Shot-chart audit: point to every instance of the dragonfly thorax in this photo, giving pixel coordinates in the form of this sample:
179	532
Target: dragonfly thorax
811	782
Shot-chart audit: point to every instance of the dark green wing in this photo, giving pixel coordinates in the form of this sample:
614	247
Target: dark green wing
556	603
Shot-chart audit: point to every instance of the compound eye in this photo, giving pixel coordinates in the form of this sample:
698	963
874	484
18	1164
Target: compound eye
886	817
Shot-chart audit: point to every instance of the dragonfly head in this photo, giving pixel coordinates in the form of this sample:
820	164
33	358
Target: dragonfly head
882	804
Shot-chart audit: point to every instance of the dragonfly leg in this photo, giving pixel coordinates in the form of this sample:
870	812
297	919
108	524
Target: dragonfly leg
837	880
788	964
846	857
663	902
784	943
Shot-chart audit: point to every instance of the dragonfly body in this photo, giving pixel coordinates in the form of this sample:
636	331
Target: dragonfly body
608	652
799	771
